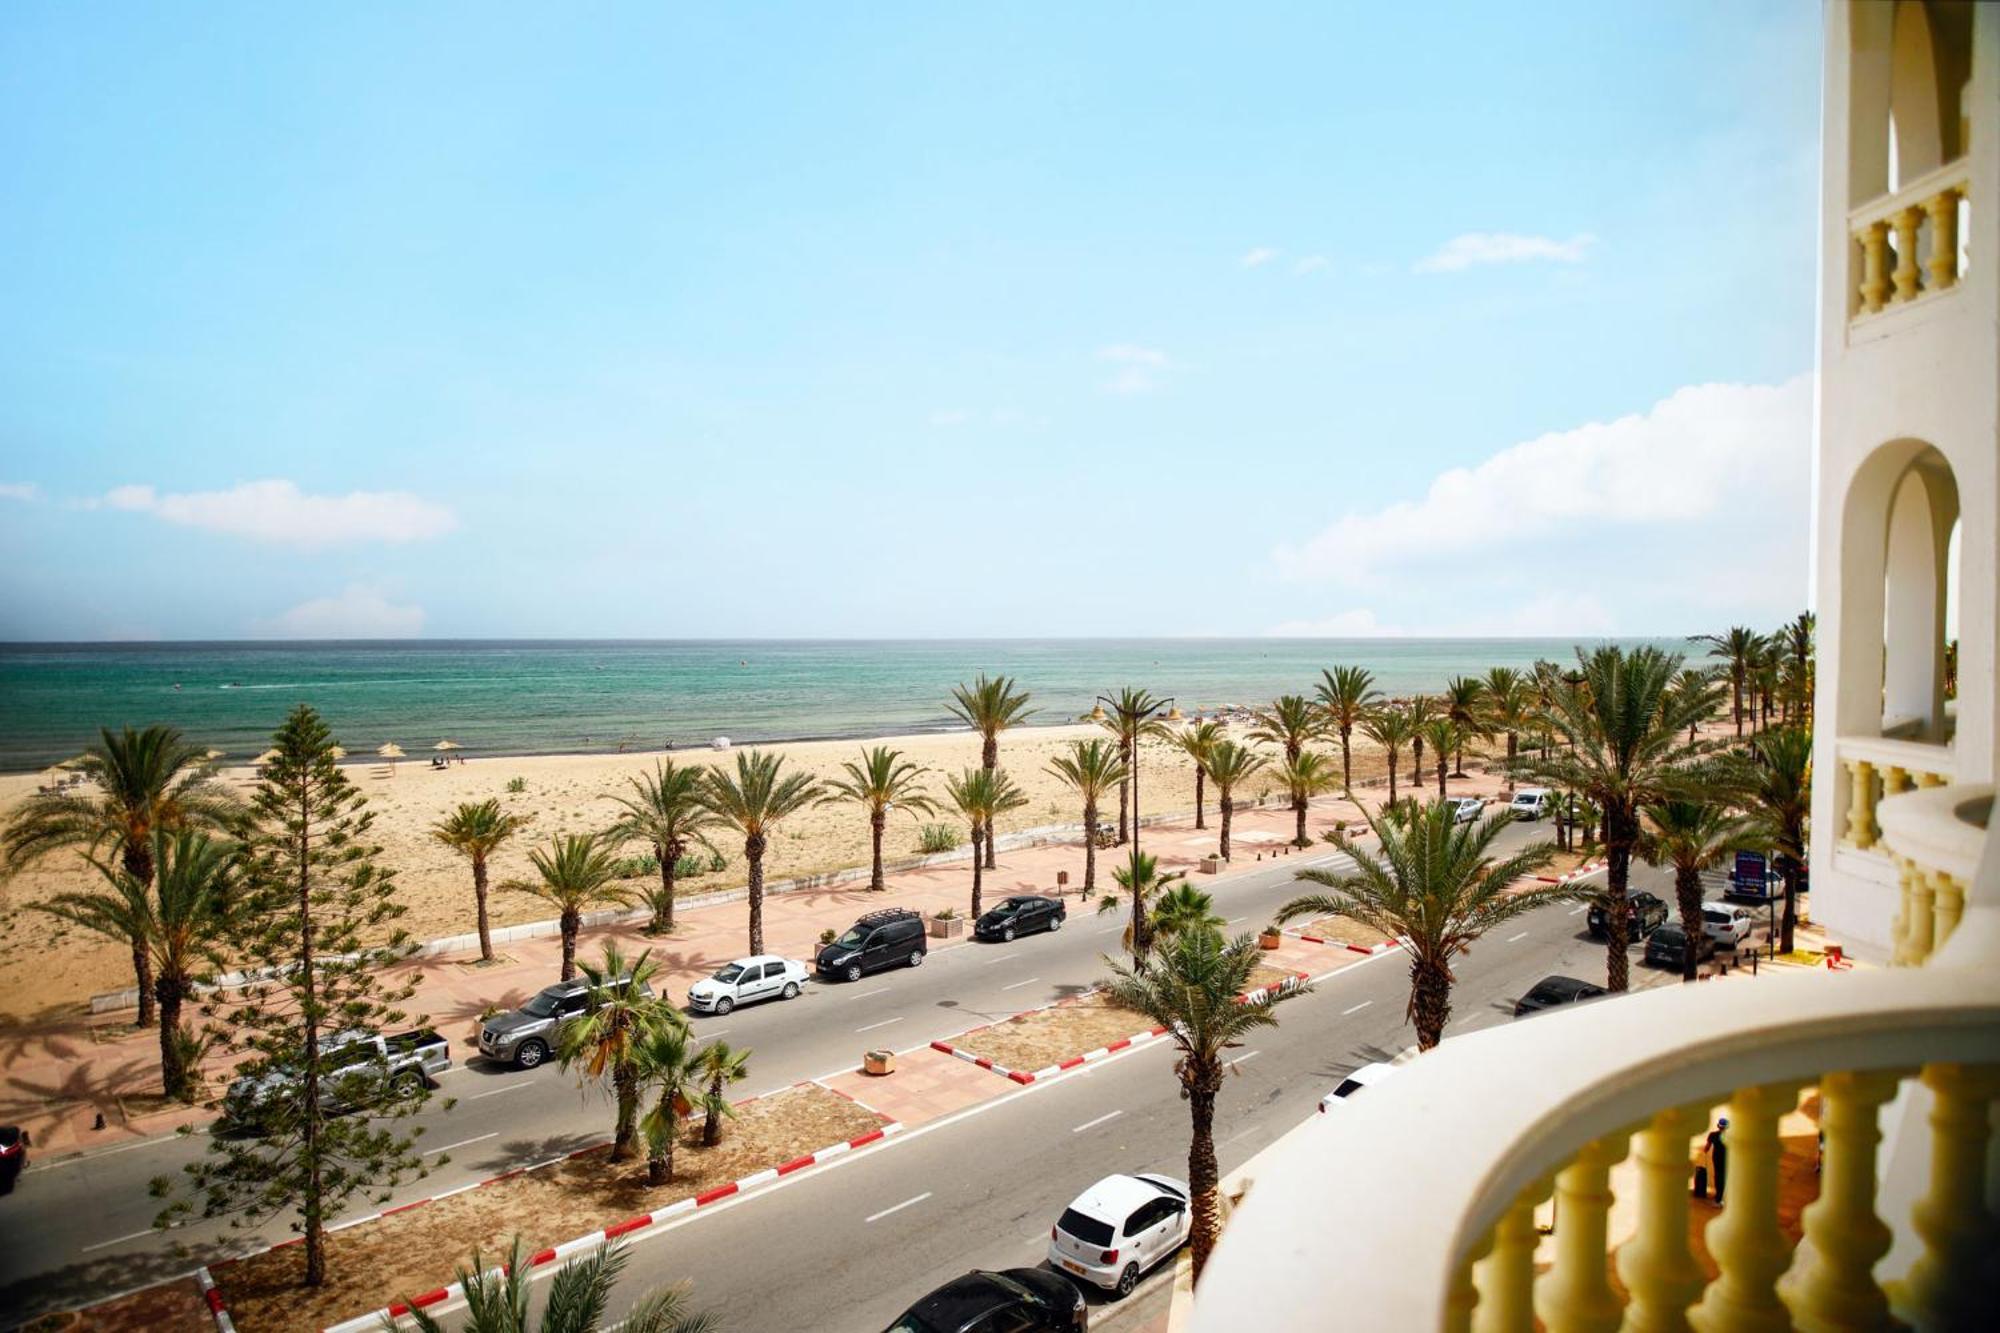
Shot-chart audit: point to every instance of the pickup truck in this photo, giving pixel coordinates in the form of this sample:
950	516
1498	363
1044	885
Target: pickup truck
358	1069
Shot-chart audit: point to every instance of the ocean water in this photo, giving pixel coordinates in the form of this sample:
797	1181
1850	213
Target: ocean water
500	697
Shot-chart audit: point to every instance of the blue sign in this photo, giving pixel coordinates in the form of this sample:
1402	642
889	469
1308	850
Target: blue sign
1751	876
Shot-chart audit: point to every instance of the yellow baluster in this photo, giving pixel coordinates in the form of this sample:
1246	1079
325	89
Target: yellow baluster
1931	779
1899	927
1874	267
1943	208
1748	1246
1506	1277
1658	1265
1463	1299
1861	828
1576	1296
1907	272
1834	1285
1947	905
1919	931
1947	1287
1895	780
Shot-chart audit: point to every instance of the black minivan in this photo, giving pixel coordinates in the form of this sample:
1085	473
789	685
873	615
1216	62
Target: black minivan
892	937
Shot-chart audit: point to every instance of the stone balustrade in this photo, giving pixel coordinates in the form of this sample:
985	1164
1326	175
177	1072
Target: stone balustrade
1934	837
1906	245
1879	767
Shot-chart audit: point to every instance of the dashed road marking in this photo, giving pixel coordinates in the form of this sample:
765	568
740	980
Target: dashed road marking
907	1203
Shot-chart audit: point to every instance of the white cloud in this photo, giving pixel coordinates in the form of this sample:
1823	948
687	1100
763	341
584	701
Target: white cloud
1258	255
1140	369
1356	624
20	490
1310	264
356	612
278	511
1499	247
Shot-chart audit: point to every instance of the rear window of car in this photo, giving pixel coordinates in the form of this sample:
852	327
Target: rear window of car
1668	935
1085	1228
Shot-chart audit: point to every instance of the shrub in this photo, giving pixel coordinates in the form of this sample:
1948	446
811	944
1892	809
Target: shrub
633	867
944	914
689	866
515	786
717	862
827	936
937	838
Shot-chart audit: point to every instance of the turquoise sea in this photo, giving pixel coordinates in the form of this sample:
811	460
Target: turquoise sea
501	697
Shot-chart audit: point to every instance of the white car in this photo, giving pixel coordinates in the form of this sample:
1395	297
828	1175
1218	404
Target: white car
1465	809
745	981
1365	1077
1727	926
1529	803
1119	1228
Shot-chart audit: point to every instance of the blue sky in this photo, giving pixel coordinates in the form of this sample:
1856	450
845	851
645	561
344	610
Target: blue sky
640	320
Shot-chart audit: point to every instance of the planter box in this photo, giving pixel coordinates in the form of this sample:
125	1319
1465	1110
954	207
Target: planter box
947	928
1270	939
1211	865
878	1063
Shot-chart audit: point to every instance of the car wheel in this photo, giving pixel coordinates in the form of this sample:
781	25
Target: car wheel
1007	935
854	971
791	990
1055	922
917	958
724	1005
407	1084
531	1054
1126	1281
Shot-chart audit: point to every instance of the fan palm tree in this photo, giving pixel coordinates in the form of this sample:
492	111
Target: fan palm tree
1435	886
665	811
1346	695
982	795
1133	718
604	1040
1389	727
1443	733
668	1064
182	916
1192	991
475	831
1465	704
1181	909
1691	836
134	782
1306	775
1229	766
1510	709
754	803
1195	741
989	707
721	1065
881	781
1422	709
1291	723
1625	751
1773	784
1738	649
501	1300
1093	768
1139	881
576	871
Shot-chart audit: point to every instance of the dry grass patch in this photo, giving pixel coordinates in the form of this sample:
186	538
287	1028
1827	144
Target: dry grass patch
371	1265
1266	975
171	1307
1031	1042
1346	930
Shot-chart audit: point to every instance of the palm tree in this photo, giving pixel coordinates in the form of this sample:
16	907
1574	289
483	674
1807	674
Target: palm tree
1422	709
989	707
476	832
576	871
1389	727
1774	785
753	803
1346	696
1181	909
1695	684
1229	766
1690	836
981	795
134	782
1738	648
669	1065
1131	721
1195	741
1192	992
1444	733
1289	723
182	917
1625	751
605	1039
501	1299
1435	886
1139	881
1510	708
1797	636
1304	776
721	1065
1092	767
1465	704
665	811
881	781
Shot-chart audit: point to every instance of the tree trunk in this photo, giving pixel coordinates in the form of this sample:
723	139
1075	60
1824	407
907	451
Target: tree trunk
1140	940
1346	760
1417	762
625	1084
310	1110
1392	774
1620	829
711	1124
1223	805
1736	701
1089	848
1788	871
479	897
663	915
1299	837
1202	1082
1430	1001
571	921
989	759
877	821
1124	797
977	863
1513	748
1687	897
1444	763
1458	764
1200	778
142	973
660	1160
174	1080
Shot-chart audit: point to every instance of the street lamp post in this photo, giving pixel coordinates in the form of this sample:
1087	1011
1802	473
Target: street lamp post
1138	721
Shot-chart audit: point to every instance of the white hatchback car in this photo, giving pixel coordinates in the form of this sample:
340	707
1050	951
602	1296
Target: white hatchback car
745	981
1465	809
1727	926
1365	1077
1119	1228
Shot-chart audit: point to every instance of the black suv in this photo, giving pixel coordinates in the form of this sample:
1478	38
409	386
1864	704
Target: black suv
1668	948
1648	914
891	937
1030	1300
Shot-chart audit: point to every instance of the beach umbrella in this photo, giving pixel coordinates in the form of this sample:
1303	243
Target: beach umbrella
338	752
264	758
1174	713
212	755
392	752
447	745
1097	713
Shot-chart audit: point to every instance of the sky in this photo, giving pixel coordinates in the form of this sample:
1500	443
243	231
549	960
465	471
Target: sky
607	320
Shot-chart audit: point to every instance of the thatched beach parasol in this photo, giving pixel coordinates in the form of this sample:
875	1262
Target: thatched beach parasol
392	752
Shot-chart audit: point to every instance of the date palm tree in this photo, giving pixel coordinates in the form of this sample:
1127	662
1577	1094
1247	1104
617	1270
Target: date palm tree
881	781
1133	718
1181	909
1797	636
1434	885
982	795
1306	775
1290	723
575	872
1510	710
1422	709
475	831
1773	784
1738	648
1195	741
1093	768
1443	733
1389	727
989	707
1229	766
501	1300
1191	991
1346	696
1139	881
754	802
1698	684
604	1041
665	811
1625	751
721	1065
134	782
182	916
669	1066
1691	836
1465	704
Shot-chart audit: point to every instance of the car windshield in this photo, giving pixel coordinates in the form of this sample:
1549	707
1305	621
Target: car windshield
729	974
1347	1087
852	939
1007	908
912	1323
1085	1228
542	1006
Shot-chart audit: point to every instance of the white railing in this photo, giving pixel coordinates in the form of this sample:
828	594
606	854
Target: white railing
1877	767
1905	245
1934	837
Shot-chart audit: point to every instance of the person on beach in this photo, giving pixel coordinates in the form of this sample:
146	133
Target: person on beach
1718	1157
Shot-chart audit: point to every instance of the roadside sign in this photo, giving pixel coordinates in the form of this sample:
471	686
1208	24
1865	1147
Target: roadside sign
1751	878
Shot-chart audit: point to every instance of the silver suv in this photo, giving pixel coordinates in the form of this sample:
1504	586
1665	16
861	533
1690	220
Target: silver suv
526	1036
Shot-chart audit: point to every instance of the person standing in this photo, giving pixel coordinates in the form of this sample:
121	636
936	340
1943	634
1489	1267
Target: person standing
1718	1157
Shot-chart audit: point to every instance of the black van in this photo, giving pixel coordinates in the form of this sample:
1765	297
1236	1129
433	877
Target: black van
878	940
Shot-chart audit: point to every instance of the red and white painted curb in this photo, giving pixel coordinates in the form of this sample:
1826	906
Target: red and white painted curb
1383	947
1285	987
210	1294
1579	873
1123	1043
631	1226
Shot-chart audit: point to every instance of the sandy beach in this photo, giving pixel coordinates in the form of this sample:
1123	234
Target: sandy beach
567	794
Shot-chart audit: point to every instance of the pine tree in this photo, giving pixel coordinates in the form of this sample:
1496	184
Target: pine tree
318	927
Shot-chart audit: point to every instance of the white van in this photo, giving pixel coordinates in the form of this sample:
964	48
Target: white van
1529	803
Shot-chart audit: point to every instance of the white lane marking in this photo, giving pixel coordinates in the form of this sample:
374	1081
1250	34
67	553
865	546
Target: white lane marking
462	1143
884	1023
1246	1057
877	1217
102	1152
511	1087
1522	936
711	1036
1581	907
1236	920
1093	1124
1018	984
107	1244
1107	930
1004	958
865	994
1355	1009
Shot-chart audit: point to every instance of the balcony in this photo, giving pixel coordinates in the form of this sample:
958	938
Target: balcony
1875	768
1904	248
1934	836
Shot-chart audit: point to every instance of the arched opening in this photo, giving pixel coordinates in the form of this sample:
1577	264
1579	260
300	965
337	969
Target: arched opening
1910	66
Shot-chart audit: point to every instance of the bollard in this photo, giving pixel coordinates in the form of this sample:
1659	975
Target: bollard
99	1122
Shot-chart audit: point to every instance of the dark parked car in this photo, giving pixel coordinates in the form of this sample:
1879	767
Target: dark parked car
1666	947
889	938
1550	992
13	1156
1647	915
1021	915
529	1035
1019	1300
